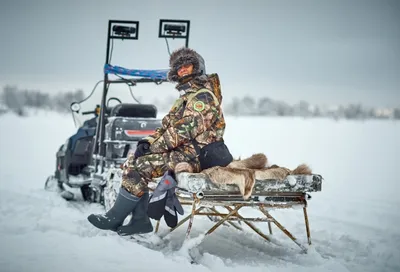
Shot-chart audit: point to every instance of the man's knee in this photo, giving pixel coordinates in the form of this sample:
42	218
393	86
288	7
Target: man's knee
133	182
149	166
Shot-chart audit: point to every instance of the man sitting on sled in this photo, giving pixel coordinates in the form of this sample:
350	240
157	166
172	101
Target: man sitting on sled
192	132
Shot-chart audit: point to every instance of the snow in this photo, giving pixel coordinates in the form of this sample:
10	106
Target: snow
292	180
354	220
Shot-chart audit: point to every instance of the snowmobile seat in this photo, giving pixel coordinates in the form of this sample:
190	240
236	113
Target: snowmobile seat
81	133
80	155
134	110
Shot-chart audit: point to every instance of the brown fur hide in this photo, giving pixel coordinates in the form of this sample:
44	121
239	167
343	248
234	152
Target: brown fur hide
256	161
244	173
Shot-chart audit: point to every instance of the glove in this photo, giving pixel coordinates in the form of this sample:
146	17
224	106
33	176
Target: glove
142	148
164	202
172	206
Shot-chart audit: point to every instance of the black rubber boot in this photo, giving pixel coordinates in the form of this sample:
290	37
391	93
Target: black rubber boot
123	206
140	222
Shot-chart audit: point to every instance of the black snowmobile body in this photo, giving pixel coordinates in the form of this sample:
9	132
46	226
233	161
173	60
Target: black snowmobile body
125	126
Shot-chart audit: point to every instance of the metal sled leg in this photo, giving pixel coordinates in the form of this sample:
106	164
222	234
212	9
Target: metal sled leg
282	228
206	206
227	223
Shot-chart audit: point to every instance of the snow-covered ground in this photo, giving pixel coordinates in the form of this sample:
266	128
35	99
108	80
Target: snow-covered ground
354	220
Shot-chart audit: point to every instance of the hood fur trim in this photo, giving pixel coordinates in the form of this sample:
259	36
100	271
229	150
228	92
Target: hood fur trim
184	56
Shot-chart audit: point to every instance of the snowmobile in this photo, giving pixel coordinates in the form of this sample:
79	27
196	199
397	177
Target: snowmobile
88	159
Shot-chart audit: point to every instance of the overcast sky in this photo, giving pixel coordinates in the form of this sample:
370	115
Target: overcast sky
325	52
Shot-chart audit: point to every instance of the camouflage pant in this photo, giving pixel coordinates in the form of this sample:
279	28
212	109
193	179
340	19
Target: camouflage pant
137	173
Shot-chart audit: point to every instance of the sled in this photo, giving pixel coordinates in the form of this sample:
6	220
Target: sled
204	196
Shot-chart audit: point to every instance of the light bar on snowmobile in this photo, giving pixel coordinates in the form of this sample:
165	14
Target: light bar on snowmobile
123	30
174	29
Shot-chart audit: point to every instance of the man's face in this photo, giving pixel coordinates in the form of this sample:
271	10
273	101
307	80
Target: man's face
185	70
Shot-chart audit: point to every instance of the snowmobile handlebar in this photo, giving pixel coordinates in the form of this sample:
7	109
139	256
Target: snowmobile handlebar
96	111
88	112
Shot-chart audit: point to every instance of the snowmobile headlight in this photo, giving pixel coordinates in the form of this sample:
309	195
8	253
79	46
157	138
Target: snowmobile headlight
75	107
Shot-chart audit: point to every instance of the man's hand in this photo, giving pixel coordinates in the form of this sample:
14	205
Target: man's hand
142	148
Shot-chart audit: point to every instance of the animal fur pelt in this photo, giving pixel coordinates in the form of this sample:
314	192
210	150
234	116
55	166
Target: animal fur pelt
256	161
245	178
244	173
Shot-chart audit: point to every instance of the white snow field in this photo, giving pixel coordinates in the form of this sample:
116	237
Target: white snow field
354	220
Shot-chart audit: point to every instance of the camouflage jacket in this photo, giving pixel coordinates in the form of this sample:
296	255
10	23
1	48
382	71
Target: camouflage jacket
197	114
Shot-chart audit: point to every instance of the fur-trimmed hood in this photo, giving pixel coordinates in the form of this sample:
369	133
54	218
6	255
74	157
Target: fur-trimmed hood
184	56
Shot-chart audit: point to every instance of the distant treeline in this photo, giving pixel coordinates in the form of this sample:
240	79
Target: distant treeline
17	101
268	107
250	106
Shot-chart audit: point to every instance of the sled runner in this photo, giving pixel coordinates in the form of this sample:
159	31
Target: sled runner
205	196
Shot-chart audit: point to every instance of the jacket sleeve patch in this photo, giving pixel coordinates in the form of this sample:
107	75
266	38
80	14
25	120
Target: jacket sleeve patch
199	106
